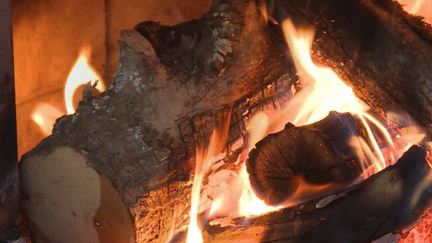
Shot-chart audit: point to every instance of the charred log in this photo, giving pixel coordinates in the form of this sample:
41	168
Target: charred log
319	153
375	46
383	203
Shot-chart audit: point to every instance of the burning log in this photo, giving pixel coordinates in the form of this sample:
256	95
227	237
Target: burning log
386	201
319	153
174	85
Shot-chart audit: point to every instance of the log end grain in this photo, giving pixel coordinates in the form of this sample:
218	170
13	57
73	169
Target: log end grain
66	200
316	154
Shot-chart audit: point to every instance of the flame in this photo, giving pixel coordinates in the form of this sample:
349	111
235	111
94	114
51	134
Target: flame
203	162
418	7
412	6
323	91
45	116
234	197
205	158
250	204
81	74
229	193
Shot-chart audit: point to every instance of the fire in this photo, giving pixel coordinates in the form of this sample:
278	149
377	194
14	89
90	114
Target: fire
418	7
205	157
234	197
323	91
81	74
203	162
229	193
45	115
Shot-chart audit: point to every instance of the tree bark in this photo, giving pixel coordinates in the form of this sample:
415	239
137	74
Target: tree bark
174	85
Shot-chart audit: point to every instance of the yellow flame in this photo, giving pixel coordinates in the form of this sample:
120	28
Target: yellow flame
418	7
412	6
45	115
322	91
205	158
203	163
250	204
81	74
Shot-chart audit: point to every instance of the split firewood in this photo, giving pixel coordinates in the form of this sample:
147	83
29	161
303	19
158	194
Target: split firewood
175	84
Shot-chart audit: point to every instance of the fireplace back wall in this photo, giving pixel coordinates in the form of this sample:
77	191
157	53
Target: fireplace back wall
48	35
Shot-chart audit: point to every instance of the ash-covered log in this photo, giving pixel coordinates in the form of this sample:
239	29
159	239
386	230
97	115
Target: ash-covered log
174	85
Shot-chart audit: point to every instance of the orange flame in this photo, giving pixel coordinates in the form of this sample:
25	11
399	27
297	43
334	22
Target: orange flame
205	158
81	74
412	6
418	7
323	91
250	204
230	193
234	197
45	116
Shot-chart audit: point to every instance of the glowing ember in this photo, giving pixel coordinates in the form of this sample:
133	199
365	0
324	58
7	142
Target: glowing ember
421	232
81	74
45	116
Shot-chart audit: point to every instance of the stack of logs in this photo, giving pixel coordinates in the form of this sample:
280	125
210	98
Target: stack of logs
118	170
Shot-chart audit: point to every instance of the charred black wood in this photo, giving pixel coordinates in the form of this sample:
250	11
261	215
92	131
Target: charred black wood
385	202
319	153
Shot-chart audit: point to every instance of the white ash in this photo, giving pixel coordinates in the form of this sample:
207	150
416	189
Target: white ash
136	133
135	79
96	105
120	81
326	201
125	76
224	46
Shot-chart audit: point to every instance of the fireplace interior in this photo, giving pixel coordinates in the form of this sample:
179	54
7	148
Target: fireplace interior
50	36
